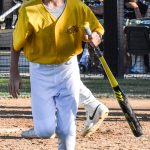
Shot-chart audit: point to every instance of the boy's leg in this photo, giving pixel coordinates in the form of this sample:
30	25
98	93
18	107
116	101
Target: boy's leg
139	66
54	89
146	62
96	111
43	105
67	105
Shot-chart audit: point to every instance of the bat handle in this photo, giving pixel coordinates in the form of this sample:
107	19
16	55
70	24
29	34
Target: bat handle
87	30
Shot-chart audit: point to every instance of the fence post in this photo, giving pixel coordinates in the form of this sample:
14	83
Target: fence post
112	42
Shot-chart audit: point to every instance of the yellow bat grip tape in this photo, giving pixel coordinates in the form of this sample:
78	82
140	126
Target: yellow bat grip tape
109	74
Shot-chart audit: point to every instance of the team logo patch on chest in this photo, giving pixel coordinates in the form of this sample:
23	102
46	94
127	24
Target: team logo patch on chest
72	29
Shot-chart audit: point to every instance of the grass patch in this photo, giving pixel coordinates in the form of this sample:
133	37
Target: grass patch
99	87
25	90
131	87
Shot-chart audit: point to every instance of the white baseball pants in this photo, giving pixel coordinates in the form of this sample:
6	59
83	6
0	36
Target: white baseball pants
55	97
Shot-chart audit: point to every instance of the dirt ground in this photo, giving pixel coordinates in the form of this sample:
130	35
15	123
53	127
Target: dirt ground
113	134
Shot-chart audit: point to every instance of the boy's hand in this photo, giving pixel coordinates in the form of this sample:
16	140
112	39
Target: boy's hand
14	85
132	5
94	39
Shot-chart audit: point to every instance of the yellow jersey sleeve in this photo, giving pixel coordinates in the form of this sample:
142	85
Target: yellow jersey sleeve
22	30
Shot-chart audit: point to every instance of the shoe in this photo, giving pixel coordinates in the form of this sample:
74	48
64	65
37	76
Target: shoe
137	69
30	134
95	119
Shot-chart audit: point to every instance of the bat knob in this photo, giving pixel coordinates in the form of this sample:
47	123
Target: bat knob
87	28
86	25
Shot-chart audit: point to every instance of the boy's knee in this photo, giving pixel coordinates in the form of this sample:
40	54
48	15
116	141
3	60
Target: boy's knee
64	133
45	133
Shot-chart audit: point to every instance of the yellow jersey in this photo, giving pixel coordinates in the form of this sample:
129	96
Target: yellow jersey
47	40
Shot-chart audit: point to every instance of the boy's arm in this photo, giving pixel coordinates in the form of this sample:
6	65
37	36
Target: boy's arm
135	6
137	12
15	80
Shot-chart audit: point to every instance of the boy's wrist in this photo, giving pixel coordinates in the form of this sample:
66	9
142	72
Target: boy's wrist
99	35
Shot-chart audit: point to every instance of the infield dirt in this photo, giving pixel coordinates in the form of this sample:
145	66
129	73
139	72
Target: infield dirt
113	134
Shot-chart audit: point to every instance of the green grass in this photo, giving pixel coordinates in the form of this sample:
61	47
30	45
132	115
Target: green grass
132	87
99	87
25	90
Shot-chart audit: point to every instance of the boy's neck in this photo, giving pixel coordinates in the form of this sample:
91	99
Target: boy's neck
54	3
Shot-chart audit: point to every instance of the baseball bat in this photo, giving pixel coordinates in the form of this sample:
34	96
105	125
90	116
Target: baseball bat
120	96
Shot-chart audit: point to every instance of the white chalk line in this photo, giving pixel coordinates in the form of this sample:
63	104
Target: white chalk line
10	130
